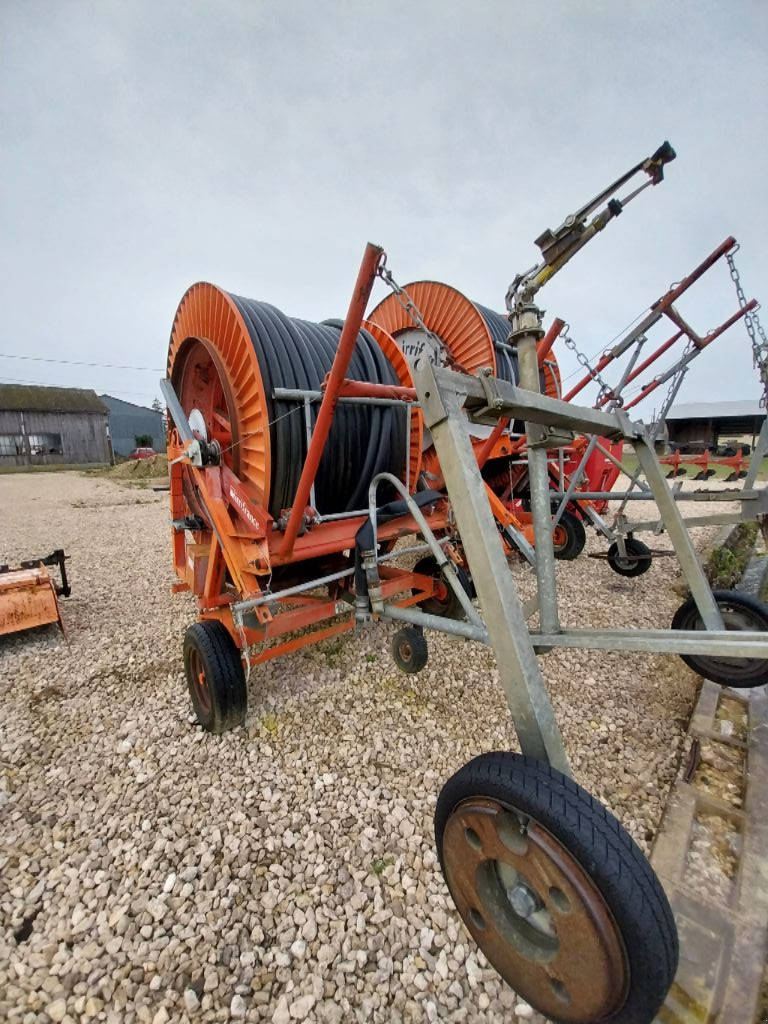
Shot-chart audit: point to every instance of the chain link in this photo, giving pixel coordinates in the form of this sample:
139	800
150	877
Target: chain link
754	328
606	391
674	386
408	304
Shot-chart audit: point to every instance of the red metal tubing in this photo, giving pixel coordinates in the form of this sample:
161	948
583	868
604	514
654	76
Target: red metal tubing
354	319
364	389
643	394
646	363
674	293
545	345
709	338
490	441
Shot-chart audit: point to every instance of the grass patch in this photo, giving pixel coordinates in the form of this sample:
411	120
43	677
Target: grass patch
380	863
270	724
726	564
763	595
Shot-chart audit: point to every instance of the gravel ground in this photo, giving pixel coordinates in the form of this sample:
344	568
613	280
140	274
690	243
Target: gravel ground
285	871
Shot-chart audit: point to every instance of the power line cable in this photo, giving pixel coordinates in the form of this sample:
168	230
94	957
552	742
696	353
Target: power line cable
76	362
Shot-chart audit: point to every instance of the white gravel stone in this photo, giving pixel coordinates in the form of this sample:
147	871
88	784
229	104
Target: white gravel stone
191	1001
301	1007
287	866
57	1010
282	1014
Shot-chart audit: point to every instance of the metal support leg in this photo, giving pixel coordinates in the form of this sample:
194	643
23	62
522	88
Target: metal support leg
503	613
758	453
678	534
541	499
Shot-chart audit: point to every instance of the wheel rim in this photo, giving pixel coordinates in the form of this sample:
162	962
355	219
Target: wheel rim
405	650
441	591
634	557
735	618
534	912
199	681
559	537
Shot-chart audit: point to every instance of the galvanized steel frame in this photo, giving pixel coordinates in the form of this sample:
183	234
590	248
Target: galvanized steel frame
448	400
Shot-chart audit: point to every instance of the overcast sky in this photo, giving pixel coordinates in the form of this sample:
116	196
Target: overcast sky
148	145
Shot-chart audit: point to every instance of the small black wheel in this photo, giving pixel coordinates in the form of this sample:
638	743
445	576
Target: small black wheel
443	601
569	537
409	649
215	676
555	892
637	561
740	612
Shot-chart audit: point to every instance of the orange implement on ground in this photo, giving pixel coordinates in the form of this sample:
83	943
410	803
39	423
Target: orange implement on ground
28	595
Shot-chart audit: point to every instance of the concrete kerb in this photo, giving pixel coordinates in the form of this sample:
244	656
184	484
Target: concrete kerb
711	853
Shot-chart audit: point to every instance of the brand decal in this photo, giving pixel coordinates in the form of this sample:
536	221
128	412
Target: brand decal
242	507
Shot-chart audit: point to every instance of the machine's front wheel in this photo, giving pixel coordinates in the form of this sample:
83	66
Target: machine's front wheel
215	677
740	612
568	537
555	892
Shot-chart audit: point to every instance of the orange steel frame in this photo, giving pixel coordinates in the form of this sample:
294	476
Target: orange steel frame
27	599
231	561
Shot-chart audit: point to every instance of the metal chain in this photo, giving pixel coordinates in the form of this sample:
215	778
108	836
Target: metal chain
754	328
407	303
674	387
606	391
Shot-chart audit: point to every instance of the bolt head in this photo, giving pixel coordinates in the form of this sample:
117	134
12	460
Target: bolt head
523	900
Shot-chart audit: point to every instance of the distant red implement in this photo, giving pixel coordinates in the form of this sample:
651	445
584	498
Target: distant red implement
143	453
28	595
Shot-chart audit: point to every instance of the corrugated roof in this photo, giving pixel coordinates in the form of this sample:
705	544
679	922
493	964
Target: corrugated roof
119	404
21	397
715	410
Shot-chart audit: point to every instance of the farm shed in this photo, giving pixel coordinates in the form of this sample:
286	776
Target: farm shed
128	421
707	422
50	426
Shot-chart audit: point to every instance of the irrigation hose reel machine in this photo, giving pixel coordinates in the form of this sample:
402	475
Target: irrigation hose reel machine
553	889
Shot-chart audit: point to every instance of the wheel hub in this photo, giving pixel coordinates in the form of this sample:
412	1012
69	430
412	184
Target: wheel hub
534	911
523	901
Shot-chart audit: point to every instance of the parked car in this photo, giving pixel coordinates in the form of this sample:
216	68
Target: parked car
142	453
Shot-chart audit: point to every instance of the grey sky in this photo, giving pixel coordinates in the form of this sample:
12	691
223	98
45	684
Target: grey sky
259	145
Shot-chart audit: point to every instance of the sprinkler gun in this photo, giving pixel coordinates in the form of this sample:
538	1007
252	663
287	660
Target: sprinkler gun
558	246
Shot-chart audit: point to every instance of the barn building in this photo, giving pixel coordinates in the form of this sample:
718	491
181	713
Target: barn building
51	426
707	424
128	422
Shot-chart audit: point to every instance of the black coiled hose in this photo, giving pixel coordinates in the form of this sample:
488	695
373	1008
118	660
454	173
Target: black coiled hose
506	357
364	440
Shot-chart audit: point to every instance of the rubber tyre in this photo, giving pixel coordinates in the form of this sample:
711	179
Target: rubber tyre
739	673
450	606
571	529
221	702
639	560
602	847
409	649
